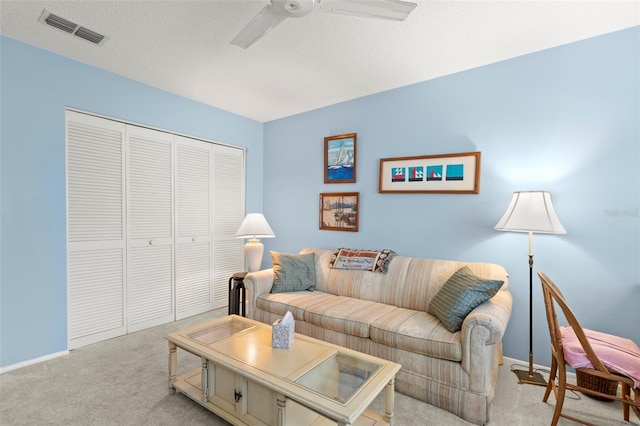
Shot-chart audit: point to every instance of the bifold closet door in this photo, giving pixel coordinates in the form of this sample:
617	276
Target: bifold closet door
194	285
151	222
150	257
96	260
228	213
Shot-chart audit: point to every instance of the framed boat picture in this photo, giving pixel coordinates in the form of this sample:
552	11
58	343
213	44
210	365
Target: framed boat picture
340	158
444	173
339	211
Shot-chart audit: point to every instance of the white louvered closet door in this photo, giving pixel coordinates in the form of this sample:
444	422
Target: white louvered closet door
150	264
193	227
151	218
95	230
228	212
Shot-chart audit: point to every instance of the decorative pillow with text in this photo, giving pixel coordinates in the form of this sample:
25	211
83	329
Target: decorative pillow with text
363	260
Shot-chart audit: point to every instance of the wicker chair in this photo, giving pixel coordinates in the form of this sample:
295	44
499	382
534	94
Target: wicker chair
597	378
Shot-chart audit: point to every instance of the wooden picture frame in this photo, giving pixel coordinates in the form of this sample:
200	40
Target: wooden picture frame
339	211
444	174
340	158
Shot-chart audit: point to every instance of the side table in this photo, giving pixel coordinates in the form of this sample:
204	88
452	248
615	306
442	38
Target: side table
237	294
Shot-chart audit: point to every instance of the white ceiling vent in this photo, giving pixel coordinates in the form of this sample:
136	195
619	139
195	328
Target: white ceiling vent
65	25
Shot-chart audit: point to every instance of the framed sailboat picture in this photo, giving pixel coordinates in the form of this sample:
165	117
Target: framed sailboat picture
340	158
339	211
444	173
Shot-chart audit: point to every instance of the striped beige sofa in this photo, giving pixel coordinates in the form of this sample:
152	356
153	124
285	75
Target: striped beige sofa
385	315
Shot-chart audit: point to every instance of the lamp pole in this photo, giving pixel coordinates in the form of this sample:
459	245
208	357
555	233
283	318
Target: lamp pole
530	377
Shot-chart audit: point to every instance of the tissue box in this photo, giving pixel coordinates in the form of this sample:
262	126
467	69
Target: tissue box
282	335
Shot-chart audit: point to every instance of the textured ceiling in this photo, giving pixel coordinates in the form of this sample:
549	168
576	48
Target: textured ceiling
305	63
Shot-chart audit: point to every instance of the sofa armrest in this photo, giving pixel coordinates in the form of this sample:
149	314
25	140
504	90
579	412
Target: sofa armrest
481	334
256	284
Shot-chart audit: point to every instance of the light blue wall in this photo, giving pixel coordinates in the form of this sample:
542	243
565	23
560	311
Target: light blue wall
564	120
36	87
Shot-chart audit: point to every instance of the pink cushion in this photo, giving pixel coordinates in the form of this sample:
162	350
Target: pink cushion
616	353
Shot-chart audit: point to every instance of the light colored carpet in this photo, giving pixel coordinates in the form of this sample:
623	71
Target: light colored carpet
123	381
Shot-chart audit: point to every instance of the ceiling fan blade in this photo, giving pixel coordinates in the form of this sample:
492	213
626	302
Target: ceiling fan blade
395	10
266	20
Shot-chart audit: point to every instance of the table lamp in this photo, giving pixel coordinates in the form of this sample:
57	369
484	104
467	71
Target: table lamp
254	226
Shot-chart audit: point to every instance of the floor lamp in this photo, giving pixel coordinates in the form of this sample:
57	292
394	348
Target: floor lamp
531	211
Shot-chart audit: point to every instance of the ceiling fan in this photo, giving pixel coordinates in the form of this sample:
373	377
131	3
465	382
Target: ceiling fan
272	14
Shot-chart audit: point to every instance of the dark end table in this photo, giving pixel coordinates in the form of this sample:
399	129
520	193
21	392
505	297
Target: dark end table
237	294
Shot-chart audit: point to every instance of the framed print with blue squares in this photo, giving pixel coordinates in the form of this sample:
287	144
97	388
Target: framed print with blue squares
444	173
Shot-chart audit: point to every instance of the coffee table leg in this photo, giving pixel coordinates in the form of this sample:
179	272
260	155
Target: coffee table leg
205	380
281	402
389	400
173	365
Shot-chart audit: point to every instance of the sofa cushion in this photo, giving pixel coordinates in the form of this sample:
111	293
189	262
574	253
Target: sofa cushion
293	272
346	315
296	302
462	292
417	332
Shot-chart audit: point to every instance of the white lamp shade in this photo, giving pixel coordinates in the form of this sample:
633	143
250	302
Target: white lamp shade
255	225
531	211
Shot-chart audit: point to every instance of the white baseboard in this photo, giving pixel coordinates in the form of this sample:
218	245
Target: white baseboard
32	361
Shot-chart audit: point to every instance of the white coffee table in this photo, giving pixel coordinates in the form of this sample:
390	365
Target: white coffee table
247	382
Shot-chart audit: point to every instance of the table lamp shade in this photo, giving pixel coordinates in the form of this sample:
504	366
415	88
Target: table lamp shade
531	211
255	225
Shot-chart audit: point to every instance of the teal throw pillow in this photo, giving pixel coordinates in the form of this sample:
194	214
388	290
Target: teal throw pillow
293	272
462	292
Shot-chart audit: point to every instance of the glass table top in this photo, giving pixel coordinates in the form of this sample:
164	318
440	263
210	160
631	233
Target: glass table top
217	332
338	377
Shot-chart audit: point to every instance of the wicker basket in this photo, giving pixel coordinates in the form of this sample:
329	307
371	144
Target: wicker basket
595	383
